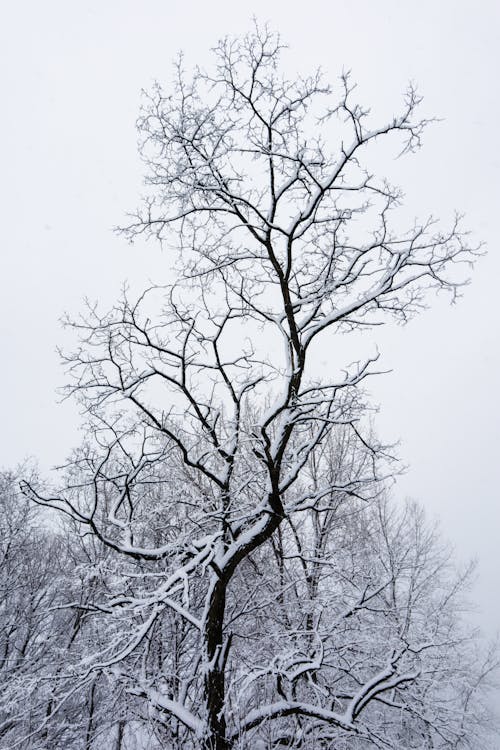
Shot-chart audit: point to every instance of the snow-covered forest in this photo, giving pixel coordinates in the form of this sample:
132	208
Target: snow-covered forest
223	563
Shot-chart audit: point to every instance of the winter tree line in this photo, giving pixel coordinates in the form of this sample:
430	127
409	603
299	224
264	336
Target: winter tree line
220	564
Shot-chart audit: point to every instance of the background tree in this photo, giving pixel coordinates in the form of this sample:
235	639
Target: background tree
204	410
33	629
371	615
48	575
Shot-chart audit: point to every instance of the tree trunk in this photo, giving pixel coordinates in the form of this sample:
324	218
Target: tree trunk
214	678
88	736
119	735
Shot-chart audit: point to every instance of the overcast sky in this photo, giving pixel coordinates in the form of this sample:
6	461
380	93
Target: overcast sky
71	76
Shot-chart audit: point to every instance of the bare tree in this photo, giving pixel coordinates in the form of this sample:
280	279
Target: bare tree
46	580
361	606
204	410
31	626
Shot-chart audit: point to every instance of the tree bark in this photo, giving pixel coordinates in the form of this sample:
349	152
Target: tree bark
214	679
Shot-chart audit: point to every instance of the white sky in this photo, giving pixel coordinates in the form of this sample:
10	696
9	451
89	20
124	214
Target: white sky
71	74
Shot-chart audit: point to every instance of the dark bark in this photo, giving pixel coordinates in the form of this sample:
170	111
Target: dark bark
90	723
119	735
216	654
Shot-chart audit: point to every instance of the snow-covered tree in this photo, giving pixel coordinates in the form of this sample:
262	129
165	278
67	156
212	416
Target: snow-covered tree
359	608
218	459
46	579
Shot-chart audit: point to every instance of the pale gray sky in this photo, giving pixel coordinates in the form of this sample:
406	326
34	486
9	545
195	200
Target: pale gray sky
71	74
